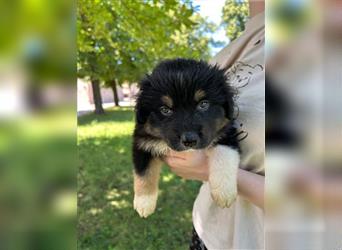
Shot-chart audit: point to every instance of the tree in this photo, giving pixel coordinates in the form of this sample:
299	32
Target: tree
89	54
120	41
90	70
114	86
234	17
97	96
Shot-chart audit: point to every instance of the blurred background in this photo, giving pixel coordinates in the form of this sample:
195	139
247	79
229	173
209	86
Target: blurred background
38	153
46	47
303	125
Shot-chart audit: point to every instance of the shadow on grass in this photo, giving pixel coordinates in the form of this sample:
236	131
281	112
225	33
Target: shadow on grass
106	216
115	114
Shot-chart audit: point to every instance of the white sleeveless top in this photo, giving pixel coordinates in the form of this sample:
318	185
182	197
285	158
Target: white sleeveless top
242	225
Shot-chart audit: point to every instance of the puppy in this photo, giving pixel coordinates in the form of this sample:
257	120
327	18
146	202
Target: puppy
184	105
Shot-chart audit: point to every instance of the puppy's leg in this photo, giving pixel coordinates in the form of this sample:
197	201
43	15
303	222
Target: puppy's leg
223	166
146	178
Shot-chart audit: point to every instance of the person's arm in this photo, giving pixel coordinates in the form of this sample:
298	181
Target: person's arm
251	186
193	165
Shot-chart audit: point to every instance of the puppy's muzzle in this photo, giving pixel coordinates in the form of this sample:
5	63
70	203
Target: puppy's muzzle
190	139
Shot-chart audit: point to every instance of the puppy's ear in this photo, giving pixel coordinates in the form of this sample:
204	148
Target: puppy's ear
142	112
229	103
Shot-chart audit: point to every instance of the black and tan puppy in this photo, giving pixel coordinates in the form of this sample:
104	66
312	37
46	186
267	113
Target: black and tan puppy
184	105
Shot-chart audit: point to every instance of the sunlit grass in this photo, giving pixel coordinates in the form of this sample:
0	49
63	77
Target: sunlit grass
107	219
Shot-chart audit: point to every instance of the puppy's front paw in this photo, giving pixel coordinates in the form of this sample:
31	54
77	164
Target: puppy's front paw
145	204
223	193
223	166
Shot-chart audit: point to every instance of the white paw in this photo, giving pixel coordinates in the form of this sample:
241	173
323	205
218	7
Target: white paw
223	193
223	166
145	204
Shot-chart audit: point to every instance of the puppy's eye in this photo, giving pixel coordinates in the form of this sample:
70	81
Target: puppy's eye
203	105
165	111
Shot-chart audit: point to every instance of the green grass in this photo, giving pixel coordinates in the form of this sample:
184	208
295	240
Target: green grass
106	219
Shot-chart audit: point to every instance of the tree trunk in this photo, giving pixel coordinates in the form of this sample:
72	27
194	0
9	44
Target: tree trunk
115	93
97	97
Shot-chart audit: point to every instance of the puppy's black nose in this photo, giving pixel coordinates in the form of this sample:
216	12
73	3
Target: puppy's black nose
189	139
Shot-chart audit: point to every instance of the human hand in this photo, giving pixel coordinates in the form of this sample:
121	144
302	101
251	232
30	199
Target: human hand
192	165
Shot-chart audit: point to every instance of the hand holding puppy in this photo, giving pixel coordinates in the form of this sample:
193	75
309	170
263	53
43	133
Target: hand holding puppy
209	165
191	165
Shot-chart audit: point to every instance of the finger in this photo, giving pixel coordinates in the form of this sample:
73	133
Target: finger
180	164
181	155
174	161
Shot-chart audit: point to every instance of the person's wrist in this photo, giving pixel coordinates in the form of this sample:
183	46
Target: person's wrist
241	178
238	177
205	170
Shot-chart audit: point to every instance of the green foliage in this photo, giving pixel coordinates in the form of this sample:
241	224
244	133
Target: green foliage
124	39
40	36
106	218
234	16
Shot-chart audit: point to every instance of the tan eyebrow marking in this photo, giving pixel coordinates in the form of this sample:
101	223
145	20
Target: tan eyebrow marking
199	94
167	100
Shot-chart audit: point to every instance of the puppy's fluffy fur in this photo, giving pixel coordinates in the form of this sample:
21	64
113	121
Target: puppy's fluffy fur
184	104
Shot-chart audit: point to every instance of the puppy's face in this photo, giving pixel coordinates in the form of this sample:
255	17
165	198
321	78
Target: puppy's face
185	103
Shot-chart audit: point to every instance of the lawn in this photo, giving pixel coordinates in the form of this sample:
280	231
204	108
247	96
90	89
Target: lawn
106	219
